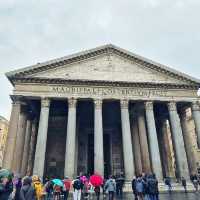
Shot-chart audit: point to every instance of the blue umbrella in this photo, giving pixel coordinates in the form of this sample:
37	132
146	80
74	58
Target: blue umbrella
58	182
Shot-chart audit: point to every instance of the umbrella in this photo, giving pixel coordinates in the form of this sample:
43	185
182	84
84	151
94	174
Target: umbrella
4	173
96	180
58	182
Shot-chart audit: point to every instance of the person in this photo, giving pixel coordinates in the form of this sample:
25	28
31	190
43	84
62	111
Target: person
196	184
168	184
67	186
184	184
18	186
110	186
78	186
38	187
57	189
97	192
119	185
152	187
6	188
140	187
48	189
27	191
133	184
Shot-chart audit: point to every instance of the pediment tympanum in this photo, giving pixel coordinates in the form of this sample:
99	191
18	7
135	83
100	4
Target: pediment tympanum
107	63
107	68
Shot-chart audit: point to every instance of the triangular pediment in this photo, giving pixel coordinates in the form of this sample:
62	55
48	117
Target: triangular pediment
107	63
107	67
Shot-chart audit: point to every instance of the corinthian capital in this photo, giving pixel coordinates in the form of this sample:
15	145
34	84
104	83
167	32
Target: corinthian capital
16	100
148	105
72	102
195	106
45	102
98	103
172	106
124	103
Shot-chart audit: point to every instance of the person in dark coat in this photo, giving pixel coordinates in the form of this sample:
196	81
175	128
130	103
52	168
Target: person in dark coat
6	188
27	191
119	185
184	184
134	187
18	189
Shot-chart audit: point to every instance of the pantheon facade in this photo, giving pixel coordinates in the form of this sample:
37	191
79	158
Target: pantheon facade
103	110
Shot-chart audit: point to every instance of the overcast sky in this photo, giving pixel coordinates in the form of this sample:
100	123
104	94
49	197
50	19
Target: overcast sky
166	31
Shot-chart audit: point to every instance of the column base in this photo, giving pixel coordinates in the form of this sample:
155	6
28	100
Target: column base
176	187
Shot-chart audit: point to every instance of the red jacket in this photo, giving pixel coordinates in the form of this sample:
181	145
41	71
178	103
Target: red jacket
67	184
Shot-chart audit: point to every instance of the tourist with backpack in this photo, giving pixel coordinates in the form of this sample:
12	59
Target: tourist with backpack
78	186
110	186
152	187
140	188
134	187
48	189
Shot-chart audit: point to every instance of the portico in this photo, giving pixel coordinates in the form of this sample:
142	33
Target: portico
105	111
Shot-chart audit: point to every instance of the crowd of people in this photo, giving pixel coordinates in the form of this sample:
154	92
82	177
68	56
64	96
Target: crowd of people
82	187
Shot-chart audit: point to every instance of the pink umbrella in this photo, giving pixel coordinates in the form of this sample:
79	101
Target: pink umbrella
96	180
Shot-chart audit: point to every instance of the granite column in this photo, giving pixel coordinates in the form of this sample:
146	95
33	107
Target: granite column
153	141
42	138
98	138
12	134
129	165
71	139
177	135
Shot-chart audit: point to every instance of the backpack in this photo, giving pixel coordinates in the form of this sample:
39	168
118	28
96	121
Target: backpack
77	184
139	186
38	189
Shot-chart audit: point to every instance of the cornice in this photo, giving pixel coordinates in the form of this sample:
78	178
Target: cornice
20	80
40	67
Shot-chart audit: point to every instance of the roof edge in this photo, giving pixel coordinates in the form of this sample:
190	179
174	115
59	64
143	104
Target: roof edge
103	47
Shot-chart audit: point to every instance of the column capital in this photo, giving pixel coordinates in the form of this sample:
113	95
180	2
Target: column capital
172	106
98	103
72	102
124	103
195	106
148	105
45	102
16	100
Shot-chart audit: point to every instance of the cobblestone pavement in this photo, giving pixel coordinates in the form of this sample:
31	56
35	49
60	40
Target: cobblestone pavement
173	196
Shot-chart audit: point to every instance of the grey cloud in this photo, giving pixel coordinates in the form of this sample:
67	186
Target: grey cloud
32	31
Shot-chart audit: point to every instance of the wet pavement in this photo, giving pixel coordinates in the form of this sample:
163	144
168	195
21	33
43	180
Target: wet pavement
172	196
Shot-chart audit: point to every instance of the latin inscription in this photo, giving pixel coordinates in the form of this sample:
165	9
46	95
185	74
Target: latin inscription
114	91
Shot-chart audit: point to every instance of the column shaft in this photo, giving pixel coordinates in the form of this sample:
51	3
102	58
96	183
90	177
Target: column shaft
188	142
98	138
26	148
29	170
12	134
146	165
19	145
181	159
196	116
153	141
41	139
136	148
129	165
71	139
